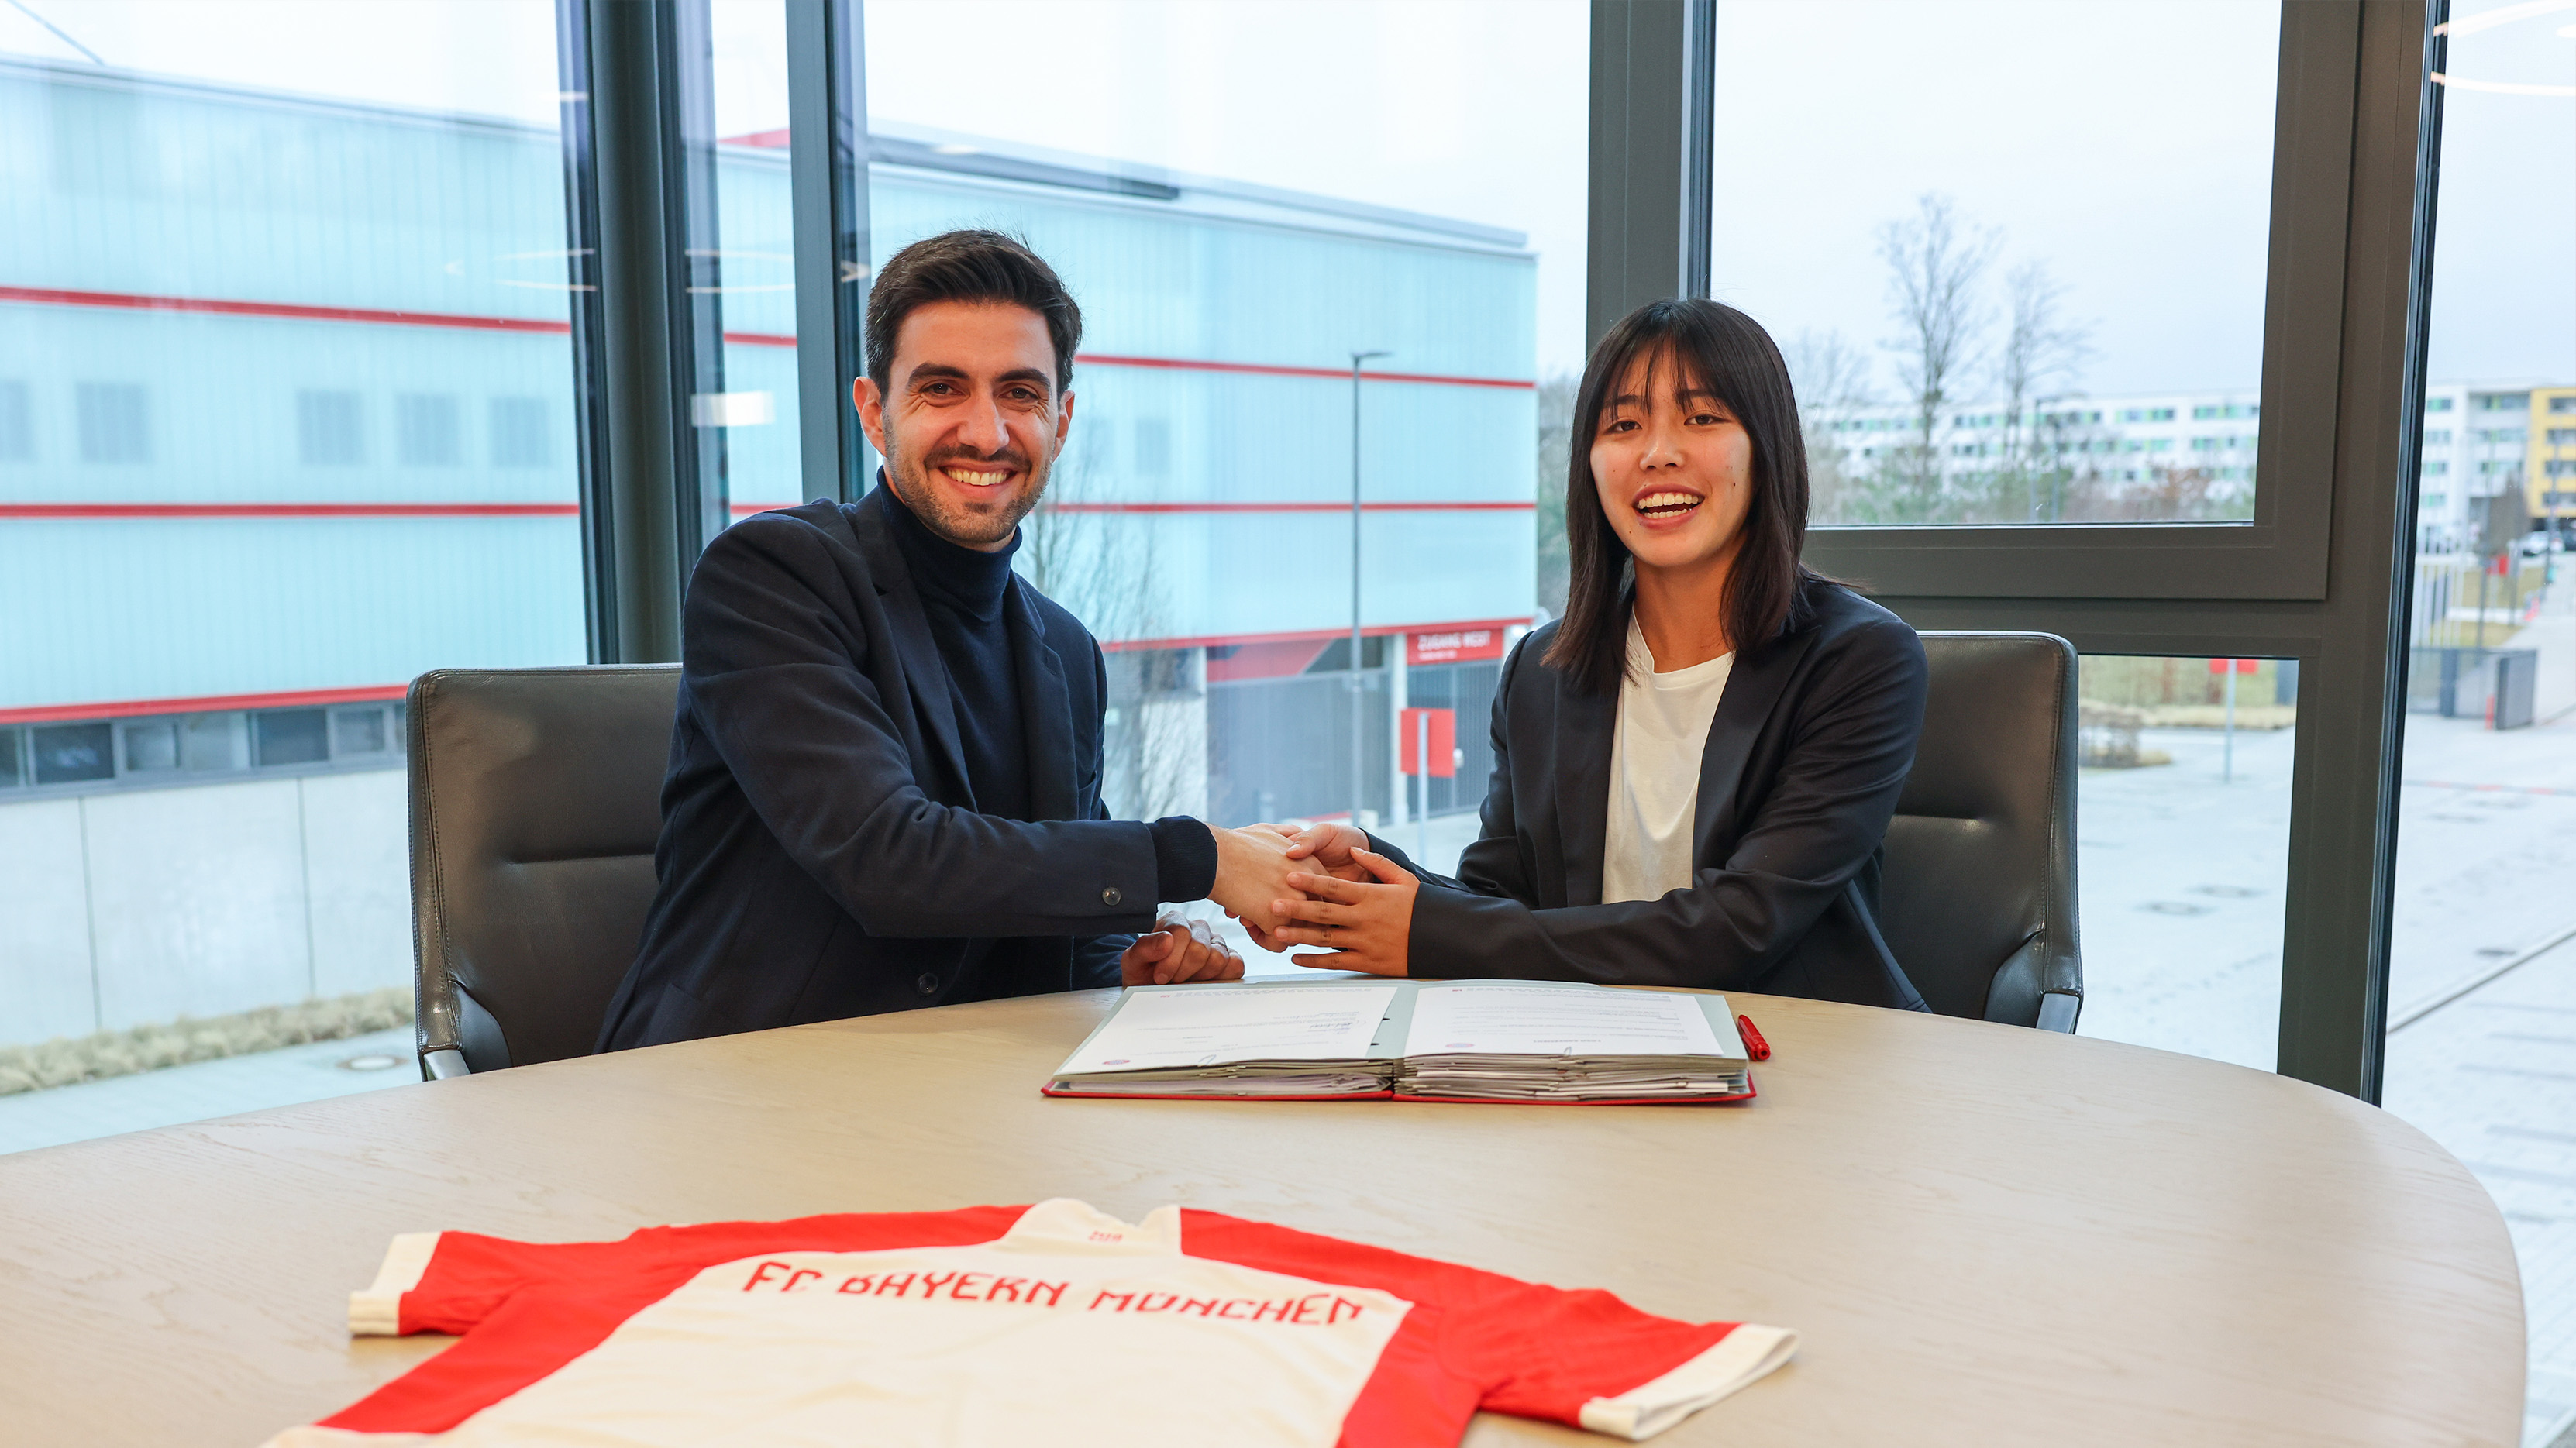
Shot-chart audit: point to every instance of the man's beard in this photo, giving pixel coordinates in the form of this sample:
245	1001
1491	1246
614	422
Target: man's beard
940	513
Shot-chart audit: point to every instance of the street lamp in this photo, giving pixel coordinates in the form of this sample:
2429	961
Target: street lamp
1357	684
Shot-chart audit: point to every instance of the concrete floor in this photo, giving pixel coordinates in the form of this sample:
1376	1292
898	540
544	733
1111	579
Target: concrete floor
205	1089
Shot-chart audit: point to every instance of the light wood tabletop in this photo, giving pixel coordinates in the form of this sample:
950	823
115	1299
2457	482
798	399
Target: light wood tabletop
1984	1234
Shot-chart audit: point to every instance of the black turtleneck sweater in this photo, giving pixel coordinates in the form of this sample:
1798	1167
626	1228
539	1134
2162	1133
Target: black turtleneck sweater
963	590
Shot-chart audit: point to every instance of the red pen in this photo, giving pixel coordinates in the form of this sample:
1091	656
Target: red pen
1759	1048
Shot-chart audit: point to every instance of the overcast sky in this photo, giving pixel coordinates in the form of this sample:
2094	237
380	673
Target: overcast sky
2127	147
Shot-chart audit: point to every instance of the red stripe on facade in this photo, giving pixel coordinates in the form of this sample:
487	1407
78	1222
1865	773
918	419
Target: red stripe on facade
1290	507
1305	635
570	510
206	704
289	510
1263	369
295	311
292	311
376	693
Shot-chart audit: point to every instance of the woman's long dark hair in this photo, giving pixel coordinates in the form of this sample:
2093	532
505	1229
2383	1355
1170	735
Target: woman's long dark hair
1728	353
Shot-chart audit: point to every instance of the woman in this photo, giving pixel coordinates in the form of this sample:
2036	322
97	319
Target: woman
1694	768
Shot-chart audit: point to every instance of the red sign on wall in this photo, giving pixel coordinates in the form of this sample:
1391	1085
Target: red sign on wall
1438	728
1455	646
2243	666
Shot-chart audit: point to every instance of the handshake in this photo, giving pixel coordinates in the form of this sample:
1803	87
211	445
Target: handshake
1320	887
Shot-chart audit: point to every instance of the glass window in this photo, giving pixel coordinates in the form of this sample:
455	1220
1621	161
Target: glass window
13	765
746	412
358	731
2482	972
1935	270
2182	851
74	753
290	736
1422	224
212	742
17	422
150	745
521	436
286	399
426	431
329	429
115	423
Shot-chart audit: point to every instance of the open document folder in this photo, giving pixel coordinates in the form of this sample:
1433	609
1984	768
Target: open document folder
1437	1040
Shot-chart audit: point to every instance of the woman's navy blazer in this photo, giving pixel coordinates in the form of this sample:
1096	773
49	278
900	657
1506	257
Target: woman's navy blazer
1807	754
820	854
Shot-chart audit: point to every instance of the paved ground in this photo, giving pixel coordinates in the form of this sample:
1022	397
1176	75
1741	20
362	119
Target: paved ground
207	1089
2181	870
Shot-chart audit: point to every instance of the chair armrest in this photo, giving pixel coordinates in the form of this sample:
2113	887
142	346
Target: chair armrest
2057	1010
443	1063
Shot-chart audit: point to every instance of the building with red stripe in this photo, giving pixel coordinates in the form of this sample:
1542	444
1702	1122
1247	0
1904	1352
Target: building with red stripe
291	418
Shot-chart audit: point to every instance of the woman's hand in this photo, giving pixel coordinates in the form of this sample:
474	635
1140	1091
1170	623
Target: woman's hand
1366	926
1176	950
1330	846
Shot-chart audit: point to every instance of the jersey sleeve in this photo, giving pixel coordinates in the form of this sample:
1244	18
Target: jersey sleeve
1480	1340
451	1281
1587	1359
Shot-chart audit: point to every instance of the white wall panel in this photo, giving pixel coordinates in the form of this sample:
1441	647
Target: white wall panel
45	988
198	898
357	872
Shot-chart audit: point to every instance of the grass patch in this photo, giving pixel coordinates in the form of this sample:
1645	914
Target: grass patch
66	1061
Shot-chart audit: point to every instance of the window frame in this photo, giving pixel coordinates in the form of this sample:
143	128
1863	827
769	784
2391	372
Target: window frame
2320	575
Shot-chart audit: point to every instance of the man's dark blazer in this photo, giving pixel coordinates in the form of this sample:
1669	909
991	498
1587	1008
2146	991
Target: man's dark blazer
1806	756
820	854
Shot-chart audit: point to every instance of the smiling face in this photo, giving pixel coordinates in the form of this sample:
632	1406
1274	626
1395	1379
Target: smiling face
971	420
1673	468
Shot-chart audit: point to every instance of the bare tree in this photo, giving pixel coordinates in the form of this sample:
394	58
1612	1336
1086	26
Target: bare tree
2041	349
1832	381
1102	567
1935	263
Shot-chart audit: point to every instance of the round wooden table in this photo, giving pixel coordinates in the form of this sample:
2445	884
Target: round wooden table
1985	1235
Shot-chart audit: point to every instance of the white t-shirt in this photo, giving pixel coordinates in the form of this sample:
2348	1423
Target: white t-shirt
1654	772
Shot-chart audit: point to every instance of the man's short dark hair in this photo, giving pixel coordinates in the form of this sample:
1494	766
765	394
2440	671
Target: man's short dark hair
969	266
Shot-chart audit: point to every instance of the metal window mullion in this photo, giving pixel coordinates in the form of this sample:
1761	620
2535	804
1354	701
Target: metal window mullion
591	431
828	170
645	343
684	55
1649	185
2345	772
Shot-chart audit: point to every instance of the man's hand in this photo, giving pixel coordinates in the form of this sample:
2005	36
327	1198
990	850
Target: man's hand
1252	869
1367	927
1329	844
1177	950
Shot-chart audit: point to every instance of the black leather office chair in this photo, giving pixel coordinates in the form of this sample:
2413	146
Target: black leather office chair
1978	898
535	800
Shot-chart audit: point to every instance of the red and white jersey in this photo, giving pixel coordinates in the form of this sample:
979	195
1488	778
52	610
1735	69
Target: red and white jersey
1006	1325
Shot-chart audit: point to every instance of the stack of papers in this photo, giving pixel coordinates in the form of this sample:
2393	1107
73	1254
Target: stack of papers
1451	1041
1294	1041
1495	1041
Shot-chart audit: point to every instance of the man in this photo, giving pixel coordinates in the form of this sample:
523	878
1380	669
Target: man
885	775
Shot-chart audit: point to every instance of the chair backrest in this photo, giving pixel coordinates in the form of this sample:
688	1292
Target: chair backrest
535	802
1978	899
